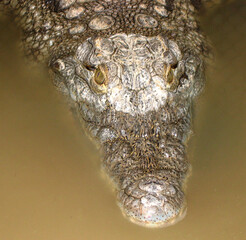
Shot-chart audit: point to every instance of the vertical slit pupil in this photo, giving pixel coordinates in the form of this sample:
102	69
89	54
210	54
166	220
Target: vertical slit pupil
99	77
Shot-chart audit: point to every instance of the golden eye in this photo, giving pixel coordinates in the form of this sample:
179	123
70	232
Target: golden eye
170	79
100	79
169	74
99	76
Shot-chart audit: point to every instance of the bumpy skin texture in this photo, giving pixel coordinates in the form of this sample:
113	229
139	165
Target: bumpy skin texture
132	69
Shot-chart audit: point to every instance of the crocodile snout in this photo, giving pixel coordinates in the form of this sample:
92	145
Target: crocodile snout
152	202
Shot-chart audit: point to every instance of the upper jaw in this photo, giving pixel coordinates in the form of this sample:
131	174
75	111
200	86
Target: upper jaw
148	168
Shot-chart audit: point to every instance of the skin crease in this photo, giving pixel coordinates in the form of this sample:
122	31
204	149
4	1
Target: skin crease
132	70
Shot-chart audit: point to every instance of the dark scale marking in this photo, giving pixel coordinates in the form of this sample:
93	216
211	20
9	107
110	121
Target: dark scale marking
196	3
53	4
169	5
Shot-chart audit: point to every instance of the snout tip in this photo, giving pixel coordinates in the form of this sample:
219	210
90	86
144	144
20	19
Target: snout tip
155	207
154	215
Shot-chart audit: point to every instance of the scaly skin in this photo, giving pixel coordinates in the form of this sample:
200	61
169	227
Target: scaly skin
132	69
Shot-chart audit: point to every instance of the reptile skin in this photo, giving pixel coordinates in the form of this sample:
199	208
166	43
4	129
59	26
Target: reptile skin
132	69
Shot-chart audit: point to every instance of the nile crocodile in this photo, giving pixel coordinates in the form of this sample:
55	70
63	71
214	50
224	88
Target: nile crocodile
132	69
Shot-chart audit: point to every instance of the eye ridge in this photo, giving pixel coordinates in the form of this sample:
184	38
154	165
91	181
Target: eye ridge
99	80
171	80
89	67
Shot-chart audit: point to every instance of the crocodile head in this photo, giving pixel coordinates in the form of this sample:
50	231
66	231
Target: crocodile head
134	95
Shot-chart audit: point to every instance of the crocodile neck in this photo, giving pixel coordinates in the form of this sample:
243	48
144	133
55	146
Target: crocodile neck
55	28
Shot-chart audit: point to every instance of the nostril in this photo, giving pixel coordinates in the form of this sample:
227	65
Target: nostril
151	186
156	186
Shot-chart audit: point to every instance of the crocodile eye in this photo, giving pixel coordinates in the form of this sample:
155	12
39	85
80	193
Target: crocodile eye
100	79
169	76
99	76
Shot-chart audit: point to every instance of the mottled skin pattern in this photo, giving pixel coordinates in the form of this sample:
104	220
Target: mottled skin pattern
132	69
